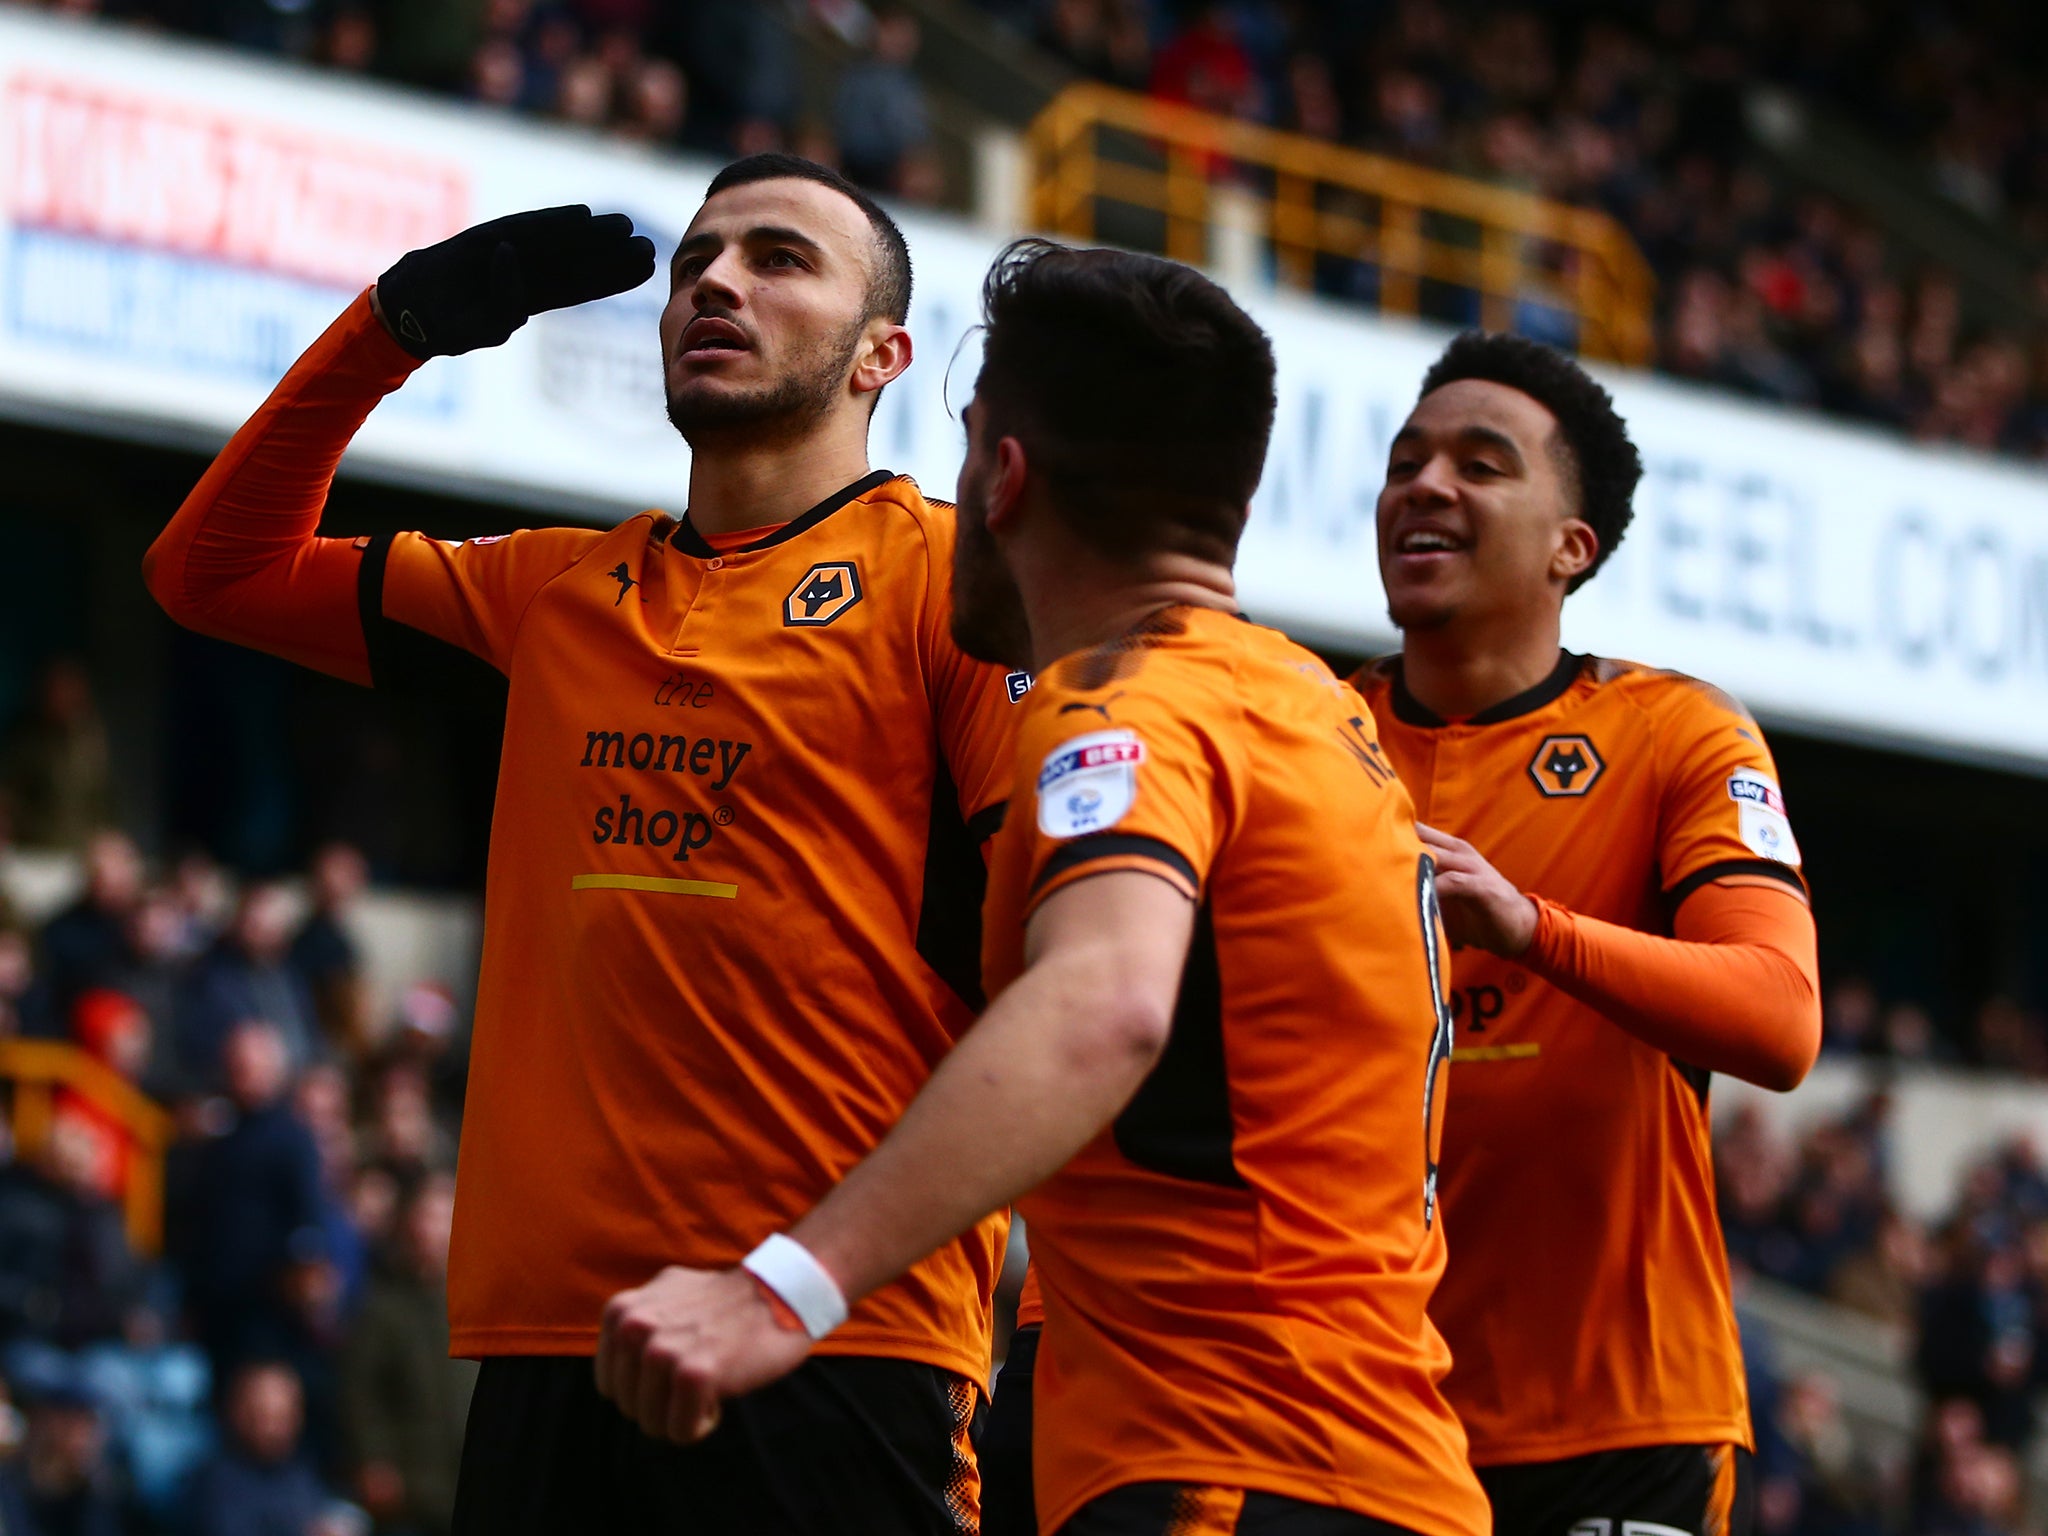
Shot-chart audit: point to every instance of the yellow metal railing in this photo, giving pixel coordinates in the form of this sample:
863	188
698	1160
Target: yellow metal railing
1108	165
39	1068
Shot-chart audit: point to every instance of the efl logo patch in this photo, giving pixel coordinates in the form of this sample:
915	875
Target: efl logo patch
1566	765
826	592
1019	684
1088	783
1760	813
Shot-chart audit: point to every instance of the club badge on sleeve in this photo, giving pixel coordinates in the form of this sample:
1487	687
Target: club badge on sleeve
1764	827
1088	783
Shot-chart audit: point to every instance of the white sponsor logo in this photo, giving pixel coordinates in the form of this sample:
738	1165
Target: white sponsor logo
1088	783
1760	811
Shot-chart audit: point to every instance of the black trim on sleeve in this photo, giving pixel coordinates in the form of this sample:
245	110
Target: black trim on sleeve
955	881
378	631
1114	845
1770	868
1699	1079
686	538
1179	1122
987	822
1410	710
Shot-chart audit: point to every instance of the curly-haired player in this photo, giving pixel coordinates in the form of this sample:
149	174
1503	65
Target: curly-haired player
1615	862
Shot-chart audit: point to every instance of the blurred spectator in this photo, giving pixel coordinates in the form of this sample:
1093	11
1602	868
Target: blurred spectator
205	899
247	975
258	1484
110	1028
1909	1035
1977	1338
1103	39
67	1274
252	1217
402	1137
405	1401
1834	1487
1884	1280
1849	1018
583	95
21	1001
743	75
86	945
350	39
427	1035
2009	1039
879	114
69	1488
1205	65
325	954
56	774
153	975
657	96
321	1102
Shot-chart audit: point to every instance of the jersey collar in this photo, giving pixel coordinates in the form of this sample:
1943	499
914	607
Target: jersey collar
1410	710
685	537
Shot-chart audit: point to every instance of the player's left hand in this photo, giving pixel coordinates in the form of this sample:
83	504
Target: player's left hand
1481	907
673	1350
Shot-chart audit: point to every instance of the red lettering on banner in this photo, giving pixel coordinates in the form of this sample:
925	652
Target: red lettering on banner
111	165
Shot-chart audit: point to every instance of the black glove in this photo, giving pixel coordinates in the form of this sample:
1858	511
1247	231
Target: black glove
476	288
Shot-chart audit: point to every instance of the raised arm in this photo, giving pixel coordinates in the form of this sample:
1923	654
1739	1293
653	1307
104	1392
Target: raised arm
241	560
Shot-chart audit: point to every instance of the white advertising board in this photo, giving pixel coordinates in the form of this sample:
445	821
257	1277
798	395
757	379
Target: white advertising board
177	224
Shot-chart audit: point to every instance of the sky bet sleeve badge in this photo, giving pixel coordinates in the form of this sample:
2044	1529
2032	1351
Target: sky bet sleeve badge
1765	828
1088	783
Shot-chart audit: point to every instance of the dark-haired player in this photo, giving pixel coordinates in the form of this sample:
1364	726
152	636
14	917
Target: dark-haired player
1615	862
1214	1058
735	855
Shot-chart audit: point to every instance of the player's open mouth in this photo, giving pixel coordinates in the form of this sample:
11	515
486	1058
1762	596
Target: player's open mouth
706	335
1426	544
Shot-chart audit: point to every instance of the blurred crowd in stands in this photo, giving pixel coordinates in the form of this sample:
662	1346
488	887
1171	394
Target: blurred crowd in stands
274	1362
2001	1036
1766	288
1966	1295
718	77
1639	110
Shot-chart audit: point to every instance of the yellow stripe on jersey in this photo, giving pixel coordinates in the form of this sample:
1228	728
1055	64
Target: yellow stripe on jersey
653	883
1498	1052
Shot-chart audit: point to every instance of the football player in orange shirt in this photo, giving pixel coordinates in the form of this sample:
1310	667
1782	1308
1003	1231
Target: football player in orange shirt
1211	1072
735	865
1615	862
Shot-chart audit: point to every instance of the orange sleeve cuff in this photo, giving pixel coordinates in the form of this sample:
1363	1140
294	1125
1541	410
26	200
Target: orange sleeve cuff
1736	990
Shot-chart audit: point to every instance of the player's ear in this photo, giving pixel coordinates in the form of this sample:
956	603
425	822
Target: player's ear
1578	546
1005	500
885	353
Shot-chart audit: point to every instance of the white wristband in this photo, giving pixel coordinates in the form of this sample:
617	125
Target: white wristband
786	1267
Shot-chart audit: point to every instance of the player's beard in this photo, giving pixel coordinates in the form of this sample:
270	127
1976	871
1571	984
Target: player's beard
1420	613
783	408
988	611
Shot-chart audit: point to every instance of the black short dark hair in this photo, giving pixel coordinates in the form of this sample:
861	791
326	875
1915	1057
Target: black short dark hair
1137	386
889	288
1602	466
